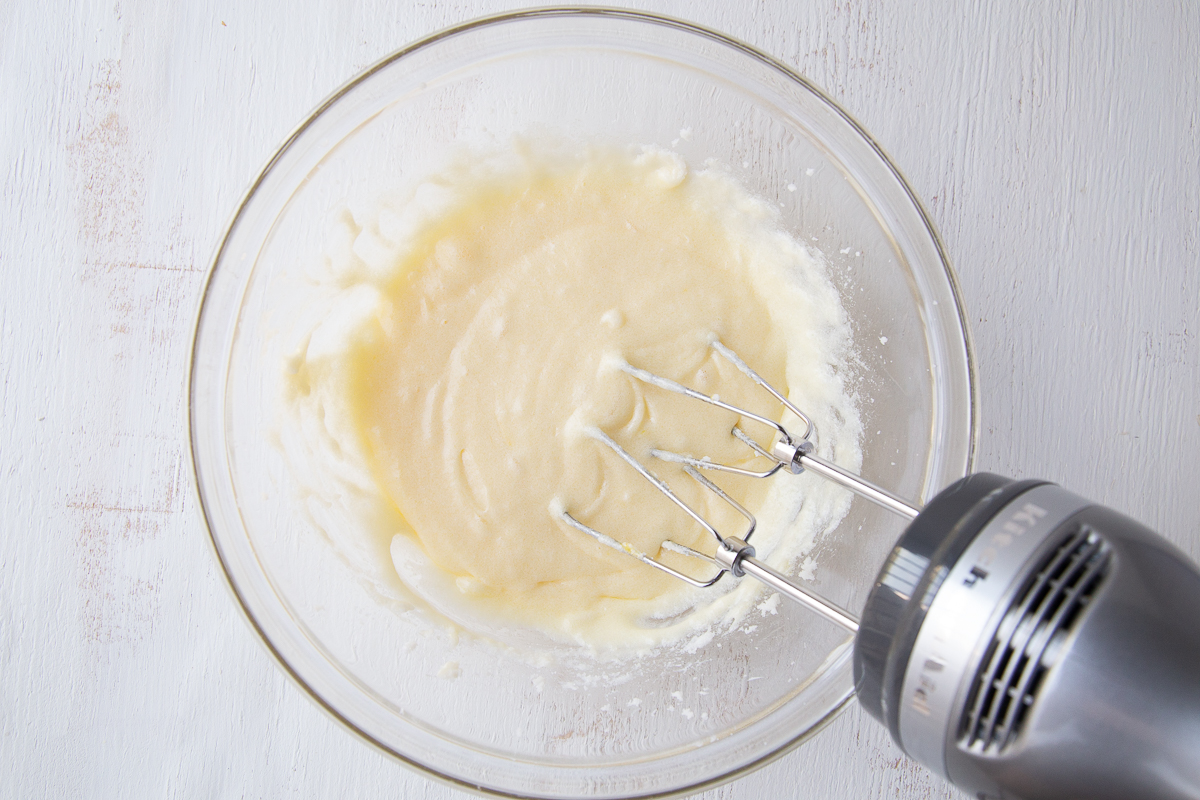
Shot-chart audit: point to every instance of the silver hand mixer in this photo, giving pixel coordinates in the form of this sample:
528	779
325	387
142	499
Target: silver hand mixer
1019	640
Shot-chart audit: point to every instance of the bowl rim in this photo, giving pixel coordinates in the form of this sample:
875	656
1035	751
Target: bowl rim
598	12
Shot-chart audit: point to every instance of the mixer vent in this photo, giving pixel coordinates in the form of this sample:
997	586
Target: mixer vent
1029	639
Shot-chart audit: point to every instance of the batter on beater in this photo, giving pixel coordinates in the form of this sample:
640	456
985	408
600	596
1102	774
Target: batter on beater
494	309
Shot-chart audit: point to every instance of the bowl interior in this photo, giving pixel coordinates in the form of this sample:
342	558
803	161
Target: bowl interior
676	720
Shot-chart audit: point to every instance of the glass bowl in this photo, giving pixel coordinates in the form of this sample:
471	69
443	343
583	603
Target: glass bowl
674	721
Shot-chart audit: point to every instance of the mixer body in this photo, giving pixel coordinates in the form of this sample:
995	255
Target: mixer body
1026	644
1023	642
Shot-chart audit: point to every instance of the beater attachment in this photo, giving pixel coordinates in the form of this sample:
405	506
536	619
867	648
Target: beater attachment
734	554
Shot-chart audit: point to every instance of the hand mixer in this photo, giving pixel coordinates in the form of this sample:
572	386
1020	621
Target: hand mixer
1019	640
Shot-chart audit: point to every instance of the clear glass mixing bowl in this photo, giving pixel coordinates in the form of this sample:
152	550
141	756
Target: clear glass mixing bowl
673	721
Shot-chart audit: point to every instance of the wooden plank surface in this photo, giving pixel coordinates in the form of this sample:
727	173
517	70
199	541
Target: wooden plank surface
1057	147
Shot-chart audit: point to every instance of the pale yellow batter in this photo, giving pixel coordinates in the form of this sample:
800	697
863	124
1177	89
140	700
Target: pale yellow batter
486	358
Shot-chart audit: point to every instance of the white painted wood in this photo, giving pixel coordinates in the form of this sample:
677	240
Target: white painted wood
1057	147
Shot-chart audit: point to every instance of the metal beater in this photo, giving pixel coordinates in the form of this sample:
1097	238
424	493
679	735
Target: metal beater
1021	641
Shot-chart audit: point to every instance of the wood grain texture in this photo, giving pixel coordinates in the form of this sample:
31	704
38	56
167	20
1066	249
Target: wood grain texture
1057	147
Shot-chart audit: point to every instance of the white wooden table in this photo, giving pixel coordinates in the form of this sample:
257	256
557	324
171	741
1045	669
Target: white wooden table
1057	148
